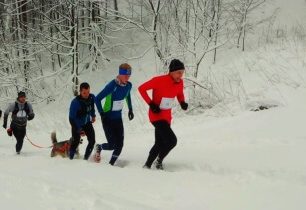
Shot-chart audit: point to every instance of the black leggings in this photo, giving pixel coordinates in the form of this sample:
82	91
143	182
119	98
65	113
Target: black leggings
114	133
90	133
165	141
19	132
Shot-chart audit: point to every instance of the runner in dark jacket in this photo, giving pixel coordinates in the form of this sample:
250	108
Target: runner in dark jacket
81	116
22	111
164	90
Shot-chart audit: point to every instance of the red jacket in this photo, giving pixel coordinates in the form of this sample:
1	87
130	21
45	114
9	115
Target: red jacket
164	90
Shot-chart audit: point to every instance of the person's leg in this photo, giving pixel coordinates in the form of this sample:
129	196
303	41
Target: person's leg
155	150
90	133
118	131
75	143
107	127
169	141
19	133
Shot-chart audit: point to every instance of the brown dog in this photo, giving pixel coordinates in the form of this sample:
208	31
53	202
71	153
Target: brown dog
62	148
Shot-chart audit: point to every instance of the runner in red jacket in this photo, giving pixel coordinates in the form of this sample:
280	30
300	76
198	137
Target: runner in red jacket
164	91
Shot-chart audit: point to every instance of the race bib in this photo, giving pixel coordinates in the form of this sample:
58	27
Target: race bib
21	114
166	103
118	105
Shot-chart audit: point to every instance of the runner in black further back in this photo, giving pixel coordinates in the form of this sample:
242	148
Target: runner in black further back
22	111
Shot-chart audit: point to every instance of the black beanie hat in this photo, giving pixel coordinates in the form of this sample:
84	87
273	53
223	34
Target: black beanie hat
21	94
175	65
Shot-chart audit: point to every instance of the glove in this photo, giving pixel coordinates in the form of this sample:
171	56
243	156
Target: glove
4	125
155	108
9	132
0	113
31	116
131	115
184	105
82	133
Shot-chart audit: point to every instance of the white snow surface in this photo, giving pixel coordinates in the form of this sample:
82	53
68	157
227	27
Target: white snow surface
227	158
252	160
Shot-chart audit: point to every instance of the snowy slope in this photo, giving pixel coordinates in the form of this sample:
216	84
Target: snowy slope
227	158
251	161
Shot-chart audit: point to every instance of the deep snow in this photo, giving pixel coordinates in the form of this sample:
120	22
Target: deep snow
227	158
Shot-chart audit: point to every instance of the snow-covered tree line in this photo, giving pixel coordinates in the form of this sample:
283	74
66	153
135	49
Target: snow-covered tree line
46	44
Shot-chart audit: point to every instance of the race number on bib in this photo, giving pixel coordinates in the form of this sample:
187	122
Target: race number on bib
118	105
166	103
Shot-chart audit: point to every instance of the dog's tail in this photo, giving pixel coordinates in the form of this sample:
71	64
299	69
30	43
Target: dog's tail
53	137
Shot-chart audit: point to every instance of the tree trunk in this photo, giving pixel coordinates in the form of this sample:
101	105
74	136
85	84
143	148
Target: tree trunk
116	9
74	45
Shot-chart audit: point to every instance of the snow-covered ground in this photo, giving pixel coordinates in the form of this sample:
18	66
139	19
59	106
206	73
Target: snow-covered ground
227	158
252	161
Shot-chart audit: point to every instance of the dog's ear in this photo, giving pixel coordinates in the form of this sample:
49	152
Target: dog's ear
53	137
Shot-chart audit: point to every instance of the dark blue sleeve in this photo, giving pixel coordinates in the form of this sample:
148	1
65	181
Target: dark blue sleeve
109	88
128	98
73	110
93	111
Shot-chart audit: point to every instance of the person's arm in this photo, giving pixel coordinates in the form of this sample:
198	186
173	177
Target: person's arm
149	85
93	111
9	109
31	114
73	110
129	100
109	88
181	97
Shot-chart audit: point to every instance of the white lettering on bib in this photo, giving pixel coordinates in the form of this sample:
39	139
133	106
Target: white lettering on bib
166	103
118	105
21	113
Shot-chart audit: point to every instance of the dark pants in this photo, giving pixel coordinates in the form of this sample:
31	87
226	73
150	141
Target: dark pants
90	133
165	141
19	132
114	133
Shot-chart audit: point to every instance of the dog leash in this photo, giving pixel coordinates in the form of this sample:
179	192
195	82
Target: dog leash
35	145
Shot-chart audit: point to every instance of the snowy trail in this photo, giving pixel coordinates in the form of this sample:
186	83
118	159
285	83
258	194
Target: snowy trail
250	161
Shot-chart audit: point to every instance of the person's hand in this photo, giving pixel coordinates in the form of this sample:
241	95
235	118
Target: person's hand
155	108
131	115
82	133
184	105
31	116
93	119
9	132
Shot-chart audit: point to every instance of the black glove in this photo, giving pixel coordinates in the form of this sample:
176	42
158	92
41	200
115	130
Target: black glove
155	108
4	125
184	105
31	116
131	115
0	113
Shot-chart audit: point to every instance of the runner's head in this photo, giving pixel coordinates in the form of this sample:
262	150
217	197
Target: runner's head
21	97
84	90
125	71
176	70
